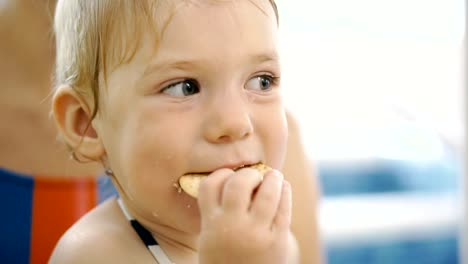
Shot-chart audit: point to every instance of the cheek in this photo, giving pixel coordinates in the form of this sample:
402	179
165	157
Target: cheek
145	151
152	151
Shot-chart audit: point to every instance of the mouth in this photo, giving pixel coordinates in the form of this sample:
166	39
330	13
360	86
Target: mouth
234	167
190	183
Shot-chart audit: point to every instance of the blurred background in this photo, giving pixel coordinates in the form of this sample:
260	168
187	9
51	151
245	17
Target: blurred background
378	88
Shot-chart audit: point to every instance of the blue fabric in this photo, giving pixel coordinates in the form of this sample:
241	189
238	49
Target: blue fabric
16	200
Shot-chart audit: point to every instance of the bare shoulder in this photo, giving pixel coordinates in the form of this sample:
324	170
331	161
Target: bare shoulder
101	236
301	173
298	166
294	252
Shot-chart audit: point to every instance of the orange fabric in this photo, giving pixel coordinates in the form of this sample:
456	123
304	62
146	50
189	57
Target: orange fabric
57	204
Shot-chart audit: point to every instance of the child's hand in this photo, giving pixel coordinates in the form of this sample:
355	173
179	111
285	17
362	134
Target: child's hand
244	219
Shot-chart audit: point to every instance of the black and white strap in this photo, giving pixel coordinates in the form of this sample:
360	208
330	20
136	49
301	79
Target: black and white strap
145	236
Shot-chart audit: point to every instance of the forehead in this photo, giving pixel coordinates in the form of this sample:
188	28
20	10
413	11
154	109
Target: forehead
165	26
224	28
217	34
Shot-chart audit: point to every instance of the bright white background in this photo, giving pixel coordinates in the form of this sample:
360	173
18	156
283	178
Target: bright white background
362	70
377	78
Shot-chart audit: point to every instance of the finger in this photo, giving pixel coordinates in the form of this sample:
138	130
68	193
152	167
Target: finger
210	190
238	189
267	198
282	219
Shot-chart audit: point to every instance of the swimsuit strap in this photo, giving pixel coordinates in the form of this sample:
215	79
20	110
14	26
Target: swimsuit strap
145	236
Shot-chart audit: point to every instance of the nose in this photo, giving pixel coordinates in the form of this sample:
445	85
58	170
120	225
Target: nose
227	120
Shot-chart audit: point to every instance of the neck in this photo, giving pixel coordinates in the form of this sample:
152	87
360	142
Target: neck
179	245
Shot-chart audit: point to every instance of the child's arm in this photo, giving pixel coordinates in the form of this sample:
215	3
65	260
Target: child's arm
298	172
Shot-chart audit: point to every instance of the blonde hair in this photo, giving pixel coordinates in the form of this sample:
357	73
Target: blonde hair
95	36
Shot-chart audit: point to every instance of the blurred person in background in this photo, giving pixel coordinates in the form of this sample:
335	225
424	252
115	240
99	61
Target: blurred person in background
28	141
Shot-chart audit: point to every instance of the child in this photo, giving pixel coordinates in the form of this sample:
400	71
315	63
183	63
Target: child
155	90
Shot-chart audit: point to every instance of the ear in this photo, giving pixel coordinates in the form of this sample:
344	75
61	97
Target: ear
73	119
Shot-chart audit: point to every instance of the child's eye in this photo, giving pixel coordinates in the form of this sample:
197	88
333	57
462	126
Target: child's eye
184	88
261	83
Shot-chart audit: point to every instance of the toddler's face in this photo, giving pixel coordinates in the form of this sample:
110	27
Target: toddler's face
208	98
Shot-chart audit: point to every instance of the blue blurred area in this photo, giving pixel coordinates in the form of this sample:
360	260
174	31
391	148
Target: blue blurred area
437	250
378	176
385	175
106	188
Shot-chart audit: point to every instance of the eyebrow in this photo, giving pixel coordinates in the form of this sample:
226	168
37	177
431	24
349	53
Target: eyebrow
190	64
181	65
265	57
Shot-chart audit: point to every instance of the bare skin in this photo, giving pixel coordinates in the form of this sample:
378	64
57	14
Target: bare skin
300	173
25	70
110	218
